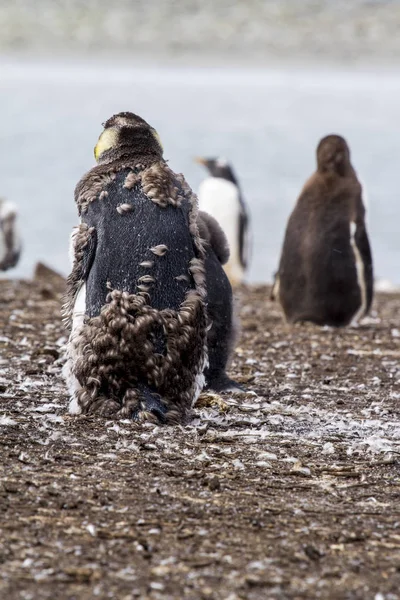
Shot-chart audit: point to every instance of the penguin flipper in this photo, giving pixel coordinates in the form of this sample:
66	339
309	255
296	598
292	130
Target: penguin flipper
10	260
244	239
83	250
362	243
11	245
211	231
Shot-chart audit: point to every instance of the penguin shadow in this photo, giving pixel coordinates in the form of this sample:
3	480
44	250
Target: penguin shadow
368	323
365	324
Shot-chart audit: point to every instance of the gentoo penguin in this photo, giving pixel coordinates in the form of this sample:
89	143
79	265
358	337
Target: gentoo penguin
223	322
10	241
325	272
136	294
221	197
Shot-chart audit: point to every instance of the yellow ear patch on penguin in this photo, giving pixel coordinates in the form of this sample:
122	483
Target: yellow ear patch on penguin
107	140
157	138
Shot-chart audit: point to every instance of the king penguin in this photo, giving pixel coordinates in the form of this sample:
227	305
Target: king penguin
220	196
325	273
10	241
135	299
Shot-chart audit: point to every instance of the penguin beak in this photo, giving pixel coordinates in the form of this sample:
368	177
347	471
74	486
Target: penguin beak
200	160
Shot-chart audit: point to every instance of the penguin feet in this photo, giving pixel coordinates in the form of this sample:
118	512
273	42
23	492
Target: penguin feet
223	383
150	408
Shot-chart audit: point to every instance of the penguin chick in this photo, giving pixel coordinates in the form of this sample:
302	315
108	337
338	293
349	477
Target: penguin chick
10	241
135	299
223	322
325	273
221	197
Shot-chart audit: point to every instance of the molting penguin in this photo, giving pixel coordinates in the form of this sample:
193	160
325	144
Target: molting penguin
10	242
221	197
325	272
223	322
136	295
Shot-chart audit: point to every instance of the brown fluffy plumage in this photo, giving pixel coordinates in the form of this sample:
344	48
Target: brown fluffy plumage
139	349
116	354
325	272
211	231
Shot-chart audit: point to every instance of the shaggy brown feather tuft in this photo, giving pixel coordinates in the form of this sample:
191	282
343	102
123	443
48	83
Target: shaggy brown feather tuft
130	343
212	233
115	351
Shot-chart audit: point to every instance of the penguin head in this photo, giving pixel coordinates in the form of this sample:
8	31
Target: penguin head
218	167
333	155
124	135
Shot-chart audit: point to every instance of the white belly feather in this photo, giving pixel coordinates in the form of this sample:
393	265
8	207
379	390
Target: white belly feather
78	313
78	316
360	272
220	198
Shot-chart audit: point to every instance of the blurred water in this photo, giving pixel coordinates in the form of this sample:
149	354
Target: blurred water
267	122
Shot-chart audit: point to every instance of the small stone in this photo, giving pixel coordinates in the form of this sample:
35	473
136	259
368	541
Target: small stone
155	585
312	552
11	487
214	484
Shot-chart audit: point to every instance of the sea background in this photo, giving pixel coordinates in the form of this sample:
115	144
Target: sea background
249	81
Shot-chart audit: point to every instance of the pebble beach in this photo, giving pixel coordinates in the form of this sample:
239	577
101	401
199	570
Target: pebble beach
290	490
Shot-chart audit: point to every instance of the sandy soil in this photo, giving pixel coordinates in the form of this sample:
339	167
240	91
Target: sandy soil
290	491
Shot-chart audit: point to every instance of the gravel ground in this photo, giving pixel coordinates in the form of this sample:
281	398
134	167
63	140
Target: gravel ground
256	30
290	490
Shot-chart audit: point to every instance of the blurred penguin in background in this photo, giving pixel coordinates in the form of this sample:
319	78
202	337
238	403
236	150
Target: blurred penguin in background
10	241
325	273
220	196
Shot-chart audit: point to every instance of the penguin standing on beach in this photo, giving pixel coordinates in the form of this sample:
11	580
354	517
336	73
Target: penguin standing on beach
10	241
136	295
139	303
325	273
220	196
223	322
